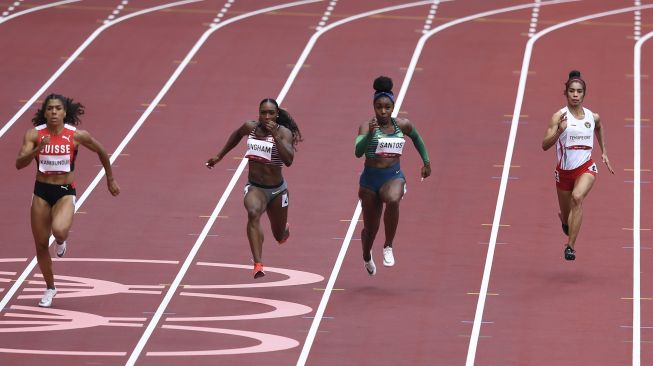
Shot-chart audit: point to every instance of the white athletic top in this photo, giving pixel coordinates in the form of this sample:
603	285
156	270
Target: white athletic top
574	146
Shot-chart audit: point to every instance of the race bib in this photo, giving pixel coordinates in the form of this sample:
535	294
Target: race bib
54	163
579	137
390	146
259	150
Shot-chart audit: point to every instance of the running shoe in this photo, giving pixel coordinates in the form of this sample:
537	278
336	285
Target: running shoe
61	249
570	254
286	234
46	300
370	267
388	257
258	270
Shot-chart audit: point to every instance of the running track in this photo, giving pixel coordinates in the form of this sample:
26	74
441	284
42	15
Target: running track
161	274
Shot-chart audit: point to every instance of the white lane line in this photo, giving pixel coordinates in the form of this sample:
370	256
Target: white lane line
114	156
476	329
222	13
637	21
637	169
428	23
327	13
76	54
11	8
7	17
535	14
116	11
357	211
138	349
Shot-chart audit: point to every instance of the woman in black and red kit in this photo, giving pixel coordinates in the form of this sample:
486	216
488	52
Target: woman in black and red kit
271	144
53	143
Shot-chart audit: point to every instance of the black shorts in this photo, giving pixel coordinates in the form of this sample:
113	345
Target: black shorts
52	193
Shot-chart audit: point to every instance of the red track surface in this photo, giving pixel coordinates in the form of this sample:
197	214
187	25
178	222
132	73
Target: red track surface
540	310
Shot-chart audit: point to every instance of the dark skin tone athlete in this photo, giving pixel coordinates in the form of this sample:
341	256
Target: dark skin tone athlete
263	174
392	191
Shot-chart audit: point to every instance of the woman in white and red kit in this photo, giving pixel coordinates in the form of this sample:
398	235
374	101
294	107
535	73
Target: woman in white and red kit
571	130
53	143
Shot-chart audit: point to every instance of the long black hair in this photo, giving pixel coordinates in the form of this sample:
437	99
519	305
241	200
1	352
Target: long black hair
574	75
73	110
286	120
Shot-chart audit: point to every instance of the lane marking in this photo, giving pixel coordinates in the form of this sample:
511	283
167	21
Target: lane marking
327	13
534	15
5	15
429	18
471	354
114	155
76	54
637	168
223	199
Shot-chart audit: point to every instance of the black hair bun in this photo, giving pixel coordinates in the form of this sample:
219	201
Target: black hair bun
383	84
574	74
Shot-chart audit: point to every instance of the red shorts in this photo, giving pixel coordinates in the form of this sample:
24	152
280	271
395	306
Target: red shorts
565	179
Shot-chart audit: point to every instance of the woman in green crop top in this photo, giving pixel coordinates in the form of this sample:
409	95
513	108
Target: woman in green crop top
381	140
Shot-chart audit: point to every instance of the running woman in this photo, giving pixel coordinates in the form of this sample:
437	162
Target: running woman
53	143
571	130
271	143
381	140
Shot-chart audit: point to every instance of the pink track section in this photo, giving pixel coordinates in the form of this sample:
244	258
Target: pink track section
125	252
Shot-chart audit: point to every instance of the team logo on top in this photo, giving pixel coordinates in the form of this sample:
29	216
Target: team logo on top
588	125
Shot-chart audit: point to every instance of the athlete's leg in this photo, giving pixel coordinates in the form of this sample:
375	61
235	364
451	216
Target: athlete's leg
255	204
371	207
41	220
278	215
582	187
62	217
564	201
391	193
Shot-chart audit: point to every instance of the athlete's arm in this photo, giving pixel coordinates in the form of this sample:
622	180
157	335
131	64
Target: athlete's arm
283	138
409	129
232	142
364	135
556	126
600	136
30	148
85	139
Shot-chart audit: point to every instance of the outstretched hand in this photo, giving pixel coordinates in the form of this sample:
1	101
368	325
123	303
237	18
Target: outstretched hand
426	171
211	162
607	163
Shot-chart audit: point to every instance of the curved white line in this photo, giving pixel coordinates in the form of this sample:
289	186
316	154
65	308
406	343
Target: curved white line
357	211
76	54
478	317
269	342
36	8
637	144
200	239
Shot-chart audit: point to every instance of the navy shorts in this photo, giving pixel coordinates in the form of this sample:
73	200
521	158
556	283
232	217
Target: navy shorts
52	193
374	178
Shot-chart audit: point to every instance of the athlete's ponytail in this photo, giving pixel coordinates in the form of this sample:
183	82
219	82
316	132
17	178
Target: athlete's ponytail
286	120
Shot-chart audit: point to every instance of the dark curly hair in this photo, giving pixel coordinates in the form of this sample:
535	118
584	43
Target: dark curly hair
286	120
383	88
73	110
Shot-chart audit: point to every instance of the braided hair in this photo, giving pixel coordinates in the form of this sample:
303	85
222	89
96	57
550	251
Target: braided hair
574	75
286	120
73	110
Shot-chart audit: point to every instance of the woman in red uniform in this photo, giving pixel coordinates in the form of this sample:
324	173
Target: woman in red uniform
381	140
53	143
572	130
271	144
